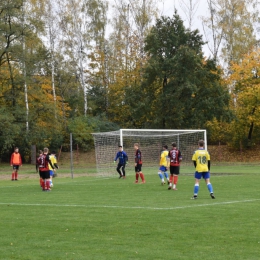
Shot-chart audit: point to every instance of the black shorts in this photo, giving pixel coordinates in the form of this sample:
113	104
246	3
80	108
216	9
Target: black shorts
16	167
175	170
40	173
45	175
138	168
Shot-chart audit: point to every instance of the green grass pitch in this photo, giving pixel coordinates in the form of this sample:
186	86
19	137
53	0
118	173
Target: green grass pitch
108	218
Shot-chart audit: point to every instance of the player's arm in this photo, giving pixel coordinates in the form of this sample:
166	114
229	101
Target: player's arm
116	157
168	161
20	159
194	159
180	156
195	164
11	161
49	161
126	157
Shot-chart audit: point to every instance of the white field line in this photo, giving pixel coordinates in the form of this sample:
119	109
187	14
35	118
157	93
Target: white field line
84	183
125	207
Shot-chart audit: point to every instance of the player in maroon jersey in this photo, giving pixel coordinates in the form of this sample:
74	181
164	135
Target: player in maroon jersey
43	162
138	164
175	160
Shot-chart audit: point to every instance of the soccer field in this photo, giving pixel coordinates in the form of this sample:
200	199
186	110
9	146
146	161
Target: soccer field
111	218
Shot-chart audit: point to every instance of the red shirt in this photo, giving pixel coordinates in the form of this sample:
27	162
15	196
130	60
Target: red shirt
175	157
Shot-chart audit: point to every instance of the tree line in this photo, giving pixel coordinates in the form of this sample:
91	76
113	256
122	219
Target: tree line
65	66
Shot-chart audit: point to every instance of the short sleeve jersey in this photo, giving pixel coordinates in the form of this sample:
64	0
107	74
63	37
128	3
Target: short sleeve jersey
175	157
53	160
163	160
138	156
201	157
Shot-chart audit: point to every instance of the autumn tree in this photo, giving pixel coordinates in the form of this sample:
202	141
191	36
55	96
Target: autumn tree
230	27
245	82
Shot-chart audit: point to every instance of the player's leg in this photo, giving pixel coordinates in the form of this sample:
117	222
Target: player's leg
166	175
160	174
206	176
136	174
41	179
13	173
119	171
141	173
171	177
47	175
123	170
197	185
51	175
16	172
175	177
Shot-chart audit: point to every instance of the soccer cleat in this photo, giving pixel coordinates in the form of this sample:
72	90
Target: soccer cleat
175	189
143	182
120	176
194	197
136	182
12	180
16	179
163	183
169	188
212	196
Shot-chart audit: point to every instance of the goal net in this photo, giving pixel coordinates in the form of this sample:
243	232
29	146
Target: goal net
150	141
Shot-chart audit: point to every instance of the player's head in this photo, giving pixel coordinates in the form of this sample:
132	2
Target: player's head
174	145
136	146
165	147
53	152
201	143
120	148
45	150
40	152
16	149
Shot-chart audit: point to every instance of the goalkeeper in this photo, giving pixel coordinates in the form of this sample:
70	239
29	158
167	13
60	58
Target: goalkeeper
123	159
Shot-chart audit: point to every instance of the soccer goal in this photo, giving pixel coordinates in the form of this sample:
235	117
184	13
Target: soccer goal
150	141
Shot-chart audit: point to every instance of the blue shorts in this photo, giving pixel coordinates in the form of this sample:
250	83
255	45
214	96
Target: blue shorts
163	169
51	173
204	175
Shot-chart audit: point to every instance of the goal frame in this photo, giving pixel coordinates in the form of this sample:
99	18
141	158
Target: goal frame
162	130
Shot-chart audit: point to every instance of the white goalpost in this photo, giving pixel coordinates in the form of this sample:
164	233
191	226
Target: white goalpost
150	141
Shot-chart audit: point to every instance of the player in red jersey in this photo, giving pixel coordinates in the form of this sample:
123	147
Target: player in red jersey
44	162
138	164
175	160
15	162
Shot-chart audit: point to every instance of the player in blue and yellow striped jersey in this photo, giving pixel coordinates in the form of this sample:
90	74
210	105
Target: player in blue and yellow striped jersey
164	161
201	160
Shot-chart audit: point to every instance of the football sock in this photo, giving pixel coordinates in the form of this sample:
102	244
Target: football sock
142	176
16	175
137	176
13	176
43	184
171	178
160	175
196	189
210	188
175	179
166	175
48	185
